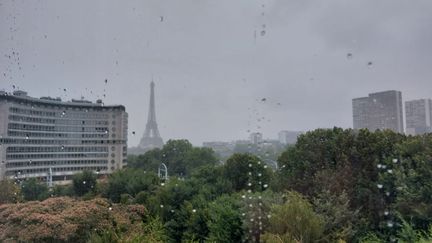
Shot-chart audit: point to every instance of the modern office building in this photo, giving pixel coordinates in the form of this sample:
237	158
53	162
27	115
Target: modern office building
48	138
256	138
381	110
418	116
288	137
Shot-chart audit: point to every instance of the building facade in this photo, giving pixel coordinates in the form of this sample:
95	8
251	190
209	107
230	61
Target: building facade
256	138
418	116
382	110
288	137
48	138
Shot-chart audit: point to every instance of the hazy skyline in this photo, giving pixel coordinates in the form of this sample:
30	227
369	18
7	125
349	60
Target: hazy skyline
216	64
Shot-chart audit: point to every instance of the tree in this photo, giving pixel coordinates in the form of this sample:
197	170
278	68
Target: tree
180	157
246	171
84	182
130	181
9	192
414	181
32	190
225	222
294	221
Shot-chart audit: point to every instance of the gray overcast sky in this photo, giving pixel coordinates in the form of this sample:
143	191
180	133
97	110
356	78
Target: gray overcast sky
214	60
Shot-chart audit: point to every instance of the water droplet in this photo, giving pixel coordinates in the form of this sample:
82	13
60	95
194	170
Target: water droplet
250	205
162	184
161	18
349	55
395	161
269	216
264	99
161	205
265	166
370	64
259	174
379	186
386	213
106	81
193	210
379	166
390	224
243	196
390	171
84	182
250	165
265	185
249	184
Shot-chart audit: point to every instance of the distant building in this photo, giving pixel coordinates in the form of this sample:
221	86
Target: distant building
418	116
288	137
48	138
256	138
381	110
222	149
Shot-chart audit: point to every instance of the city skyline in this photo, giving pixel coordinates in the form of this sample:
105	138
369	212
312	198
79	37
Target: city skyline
219	67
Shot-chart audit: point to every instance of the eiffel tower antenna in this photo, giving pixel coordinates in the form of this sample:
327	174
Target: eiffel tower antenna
151	138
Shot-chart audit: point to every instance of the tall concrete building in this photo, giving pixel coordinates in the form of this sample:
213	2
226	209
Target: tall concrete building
288	137
381	110
256	138
418	116
48	138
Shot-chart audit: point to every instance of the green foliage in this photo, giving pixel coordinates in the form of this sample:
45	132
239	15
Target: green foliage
84	182
294	221
130	181
339	219
62	190
225	223
32	189
9	192
241	169
151	231
180	157
414	181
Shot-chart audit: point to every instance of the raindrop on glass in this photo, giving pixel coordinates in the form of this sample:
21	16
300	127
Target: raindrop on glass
390	224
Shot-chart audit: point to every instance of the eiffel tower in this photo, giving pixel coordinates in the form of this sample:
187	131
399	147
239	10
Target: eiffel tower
151	138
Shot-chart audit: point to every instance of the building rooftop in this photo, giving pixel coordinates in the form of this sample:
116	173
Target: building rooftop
22	96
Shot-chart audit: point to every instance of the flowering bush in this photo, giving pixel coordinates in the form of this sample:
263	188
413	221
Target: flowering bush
64	219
